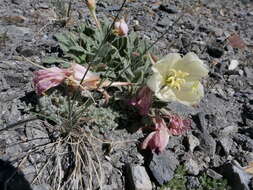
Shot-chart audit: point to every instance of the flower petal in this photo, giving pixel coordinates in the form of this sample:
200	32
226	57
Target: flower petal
45	79
166	94
166	63
155	82
156	141
143	100
190	93
191	64
79	71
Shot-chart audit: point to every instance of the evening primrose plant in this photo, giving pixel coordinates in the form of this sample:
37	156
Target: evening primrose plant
109	59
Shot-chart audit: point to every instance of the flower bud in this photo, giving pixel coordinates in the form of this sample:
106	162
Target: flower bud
91	4
121	28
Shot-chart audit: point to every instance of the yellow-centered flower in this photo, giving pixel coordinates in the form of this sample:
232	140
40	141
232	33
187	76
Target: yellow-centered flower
177	78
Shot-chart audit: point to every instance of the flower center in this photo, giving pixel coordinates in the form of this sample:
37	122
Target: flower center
175	79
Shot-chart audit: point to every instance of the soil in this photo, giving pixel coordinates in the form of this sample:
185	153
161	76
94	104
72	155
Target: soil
222	123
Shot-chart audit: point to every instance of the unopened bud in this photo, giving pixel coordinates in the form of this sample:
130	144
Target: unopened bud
121	28
91	4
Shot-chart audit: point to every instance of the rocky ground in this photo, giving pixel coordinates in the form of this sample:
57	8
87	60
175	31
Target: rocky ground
220	143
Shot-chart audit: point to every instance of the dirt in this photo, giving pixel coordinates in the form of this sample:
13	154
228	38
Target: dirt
222	122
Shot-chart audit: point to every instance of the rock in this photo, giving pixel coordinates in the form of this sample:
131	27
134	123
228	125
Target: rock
215	51
248	72
192	182
168	9
226	143
35	131
233	64
193	142
182	109
237	178
12	178
229	130
18	2
18	32
164	22
192	167
138	178
162	166
208	144
213	174
41	187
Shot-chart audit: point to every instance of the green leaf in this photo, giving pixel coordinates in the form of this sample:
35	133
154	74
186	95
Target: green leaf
52	60
77	49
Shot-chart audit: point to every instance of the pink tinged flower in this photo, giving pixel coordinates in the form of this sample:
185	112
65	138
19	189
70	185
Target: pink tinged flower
45	79
121	28
91	79
143	100
158	139
178	126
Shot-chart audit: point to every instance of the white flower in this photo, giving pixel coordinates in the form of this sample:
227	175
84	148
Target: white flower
177	78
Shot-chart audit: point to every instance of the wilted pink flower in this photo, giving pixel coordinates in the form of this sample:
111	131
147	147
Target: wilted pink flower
178	126
157	140
47	78
121	28
91	79
142	101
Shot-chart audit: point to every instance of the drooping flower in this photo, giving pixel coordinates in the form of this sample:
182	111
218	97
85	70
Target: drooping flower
91	79
158	139
121	27
178	126
177	78
45	79
142	101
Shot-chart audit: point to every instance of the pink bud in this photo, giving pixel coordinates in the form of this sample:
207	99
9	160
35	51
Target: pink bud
45	79
121	28
143	100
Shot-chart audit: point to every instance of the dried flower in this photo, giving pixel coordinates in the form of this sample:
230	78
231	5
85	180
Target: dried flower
178	79
142	101
178	126
158	139
47	78
121	28
90	81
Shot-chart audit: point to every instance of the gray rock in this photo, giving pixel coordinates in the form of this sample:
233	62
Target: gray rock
162	166
17	32
41	187
226	143
18	2
168	8
138	178
208	144
215	51
213	174
193	142
192	167
229	130
182	109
